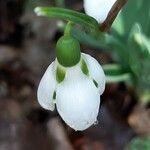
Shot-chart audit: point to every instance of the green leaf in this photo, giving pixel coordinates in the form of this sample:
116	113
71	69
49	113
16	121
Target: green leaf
116	73
118	49
104	42
135	51
139	50
90	40
135	29
134	11
143	42
139	144
87	22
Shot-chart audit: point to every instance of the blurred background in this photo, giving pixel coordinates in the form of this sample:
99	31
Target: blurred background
27	47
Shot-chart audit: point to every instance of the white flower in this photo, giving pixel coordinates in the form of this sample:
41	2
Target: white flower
98	9
77	97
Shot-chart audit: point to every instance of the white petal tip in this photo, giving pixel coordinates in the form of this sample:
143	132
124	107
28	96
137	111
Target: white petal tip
46	89
48	106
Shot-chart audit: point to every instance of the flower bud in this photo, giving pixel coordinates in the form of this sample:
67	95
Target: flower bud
68	51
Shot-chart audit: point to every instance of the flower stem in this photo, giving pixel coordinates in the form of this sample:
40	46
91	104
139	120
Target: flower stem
68	28
106	25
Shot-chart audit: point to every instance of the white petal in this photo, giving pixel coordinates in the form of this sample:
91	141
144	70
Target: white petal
98	9
46	88
77	100
96	72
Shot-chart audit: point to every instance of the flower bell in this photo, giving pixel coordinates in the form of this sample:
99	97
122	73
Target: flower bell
73	83
98	9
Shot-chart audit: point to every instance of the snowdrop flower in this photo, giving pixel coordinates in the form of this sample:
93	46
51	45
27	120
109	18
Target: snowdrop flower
98	9
73	83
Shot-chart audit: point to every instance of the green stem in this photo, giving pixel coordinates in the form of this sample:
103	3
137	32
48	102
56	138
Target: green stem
68	29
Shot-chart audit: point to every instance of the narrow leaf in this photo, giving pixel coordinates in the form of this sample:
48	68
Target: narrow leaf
115	73
70	15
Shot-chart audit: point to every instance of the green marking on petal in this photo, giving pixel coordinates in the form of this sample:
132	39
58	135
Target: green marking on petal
84	67
54	95
96	84
60	74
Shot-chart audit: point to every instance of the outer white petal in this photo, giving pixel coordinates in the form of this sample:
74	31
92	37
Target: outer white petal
96	72
98	9
46	88
77	100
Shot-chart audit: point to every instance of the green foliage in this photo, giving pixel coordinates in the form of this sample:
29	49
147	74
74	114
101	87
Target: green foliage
129	45
134	11
139	144
131	37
